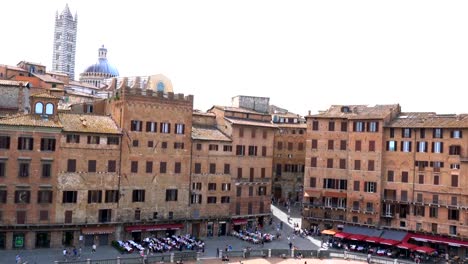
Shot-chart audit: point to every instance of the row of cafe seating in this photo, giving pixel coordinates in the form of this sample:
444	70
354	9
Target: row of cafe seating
392	243
253	237
162	244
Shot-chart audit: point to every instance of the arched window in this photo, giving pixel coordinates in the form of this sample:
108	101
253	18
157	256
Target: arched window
39	108
160	86
49	110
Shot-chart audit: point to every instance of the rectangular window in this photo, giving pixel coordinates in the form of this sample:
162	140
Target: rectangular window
265	134
239	173
180	145
373	126
358	126
112	196
421	146
342	163
135	143
213	147
91	166
171	195
105	215
357	145
279	146
406	146
456	134
225	199
71	165
437	133
404	176
330	163
43	215
406	133
453	214
211	200
264	151
136	125
226	187
313	182
4	142
227	148
47	144
331	126
454	180
180	129
390	176
149	167
21	217
93	140
44	197
253	132
94	196
3	196
212	168
73	138
391	145
404	196
138	196
238	191
134	166
392	132
240	150
23	170
300	146
371	146
357	164
436	179
343	144
165	128
69	196
68	217
46	170
370	165
241	132
251	191
314	144
25	143
150	144
454	150
196	198
421	179
164	145
252	174
344	126
162	167
356	186
261	191
262	172
315	125
422	133
252	150
370	187
437	147
290	146
111	166
151	127
199	146
197	168
313	162
330	144
227	168
177	167
211	186
113	140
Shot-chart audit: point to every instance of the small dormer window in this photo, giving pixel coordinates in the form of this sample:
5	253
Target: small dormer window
160	86
39	108
49	109
345	109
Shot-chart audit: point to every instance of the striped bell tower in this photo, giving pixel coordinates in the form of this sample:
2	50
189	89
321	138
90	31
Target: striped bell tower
65	42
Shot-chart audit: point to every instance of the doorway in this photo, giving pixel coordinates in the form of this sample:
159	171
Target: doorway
222	229
196	230
42	240
67	239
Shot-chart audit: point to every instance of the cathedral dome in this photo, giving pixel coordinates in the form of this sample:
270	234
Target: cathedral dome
102	66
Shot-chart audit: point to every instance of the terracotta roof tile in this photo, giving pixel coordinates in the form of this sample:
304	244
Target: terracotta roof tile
30	120
429	120
13	67
357	111
45	95
47	78
89	123
12	83
208	133
250	122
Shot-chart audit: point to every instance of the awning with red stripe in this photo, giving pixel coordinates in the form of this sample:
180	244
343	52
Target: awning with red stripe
98	230
239	221
405	245
140	228
372	239
438	240
389	242
357	237
342	235
425	250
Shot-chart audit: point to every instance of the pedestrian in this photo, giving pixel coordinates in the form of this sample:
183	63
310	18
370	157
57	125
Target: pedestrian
94	248
18	259
290	245
64	253
79	252
369	257
217	252
75	252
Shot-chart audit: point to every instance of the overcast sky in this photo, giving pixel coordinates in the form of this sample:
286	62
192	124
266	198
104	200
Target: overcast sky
304	55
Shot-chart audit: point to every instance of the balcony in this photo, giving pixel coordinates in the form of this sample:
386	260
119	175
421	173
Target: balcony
388	215
252	181
463	159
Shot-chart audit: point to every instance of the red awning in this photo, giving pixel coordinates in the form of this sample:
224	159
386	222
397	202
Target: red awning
405	245
424	249
357	237
98	230
239	221
389	242
372	239
438	240
139	228
342	235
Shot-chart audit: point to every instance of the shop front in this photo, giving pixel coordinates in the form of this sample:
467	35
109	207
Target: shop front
97	235
19	240
42	239
139	232
222	228
239	224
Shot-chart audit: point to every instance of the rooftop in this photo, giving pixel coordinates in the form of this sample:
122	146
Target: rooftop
44	95
357	111
208	133
47	78
239	110
12	83
429	119
30	120
12	67
89	123
250	122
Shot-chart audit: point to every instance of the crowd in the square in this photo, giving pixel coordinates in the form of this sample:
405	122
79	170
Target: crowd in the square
256	237
156	244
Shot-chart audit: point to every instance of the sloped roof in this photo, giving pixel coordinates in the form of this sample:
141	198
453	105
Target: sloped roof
357	111
98	124
12	83
249	122
239	110
47	78
428	119
208	133
30	120
13	67
45	95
